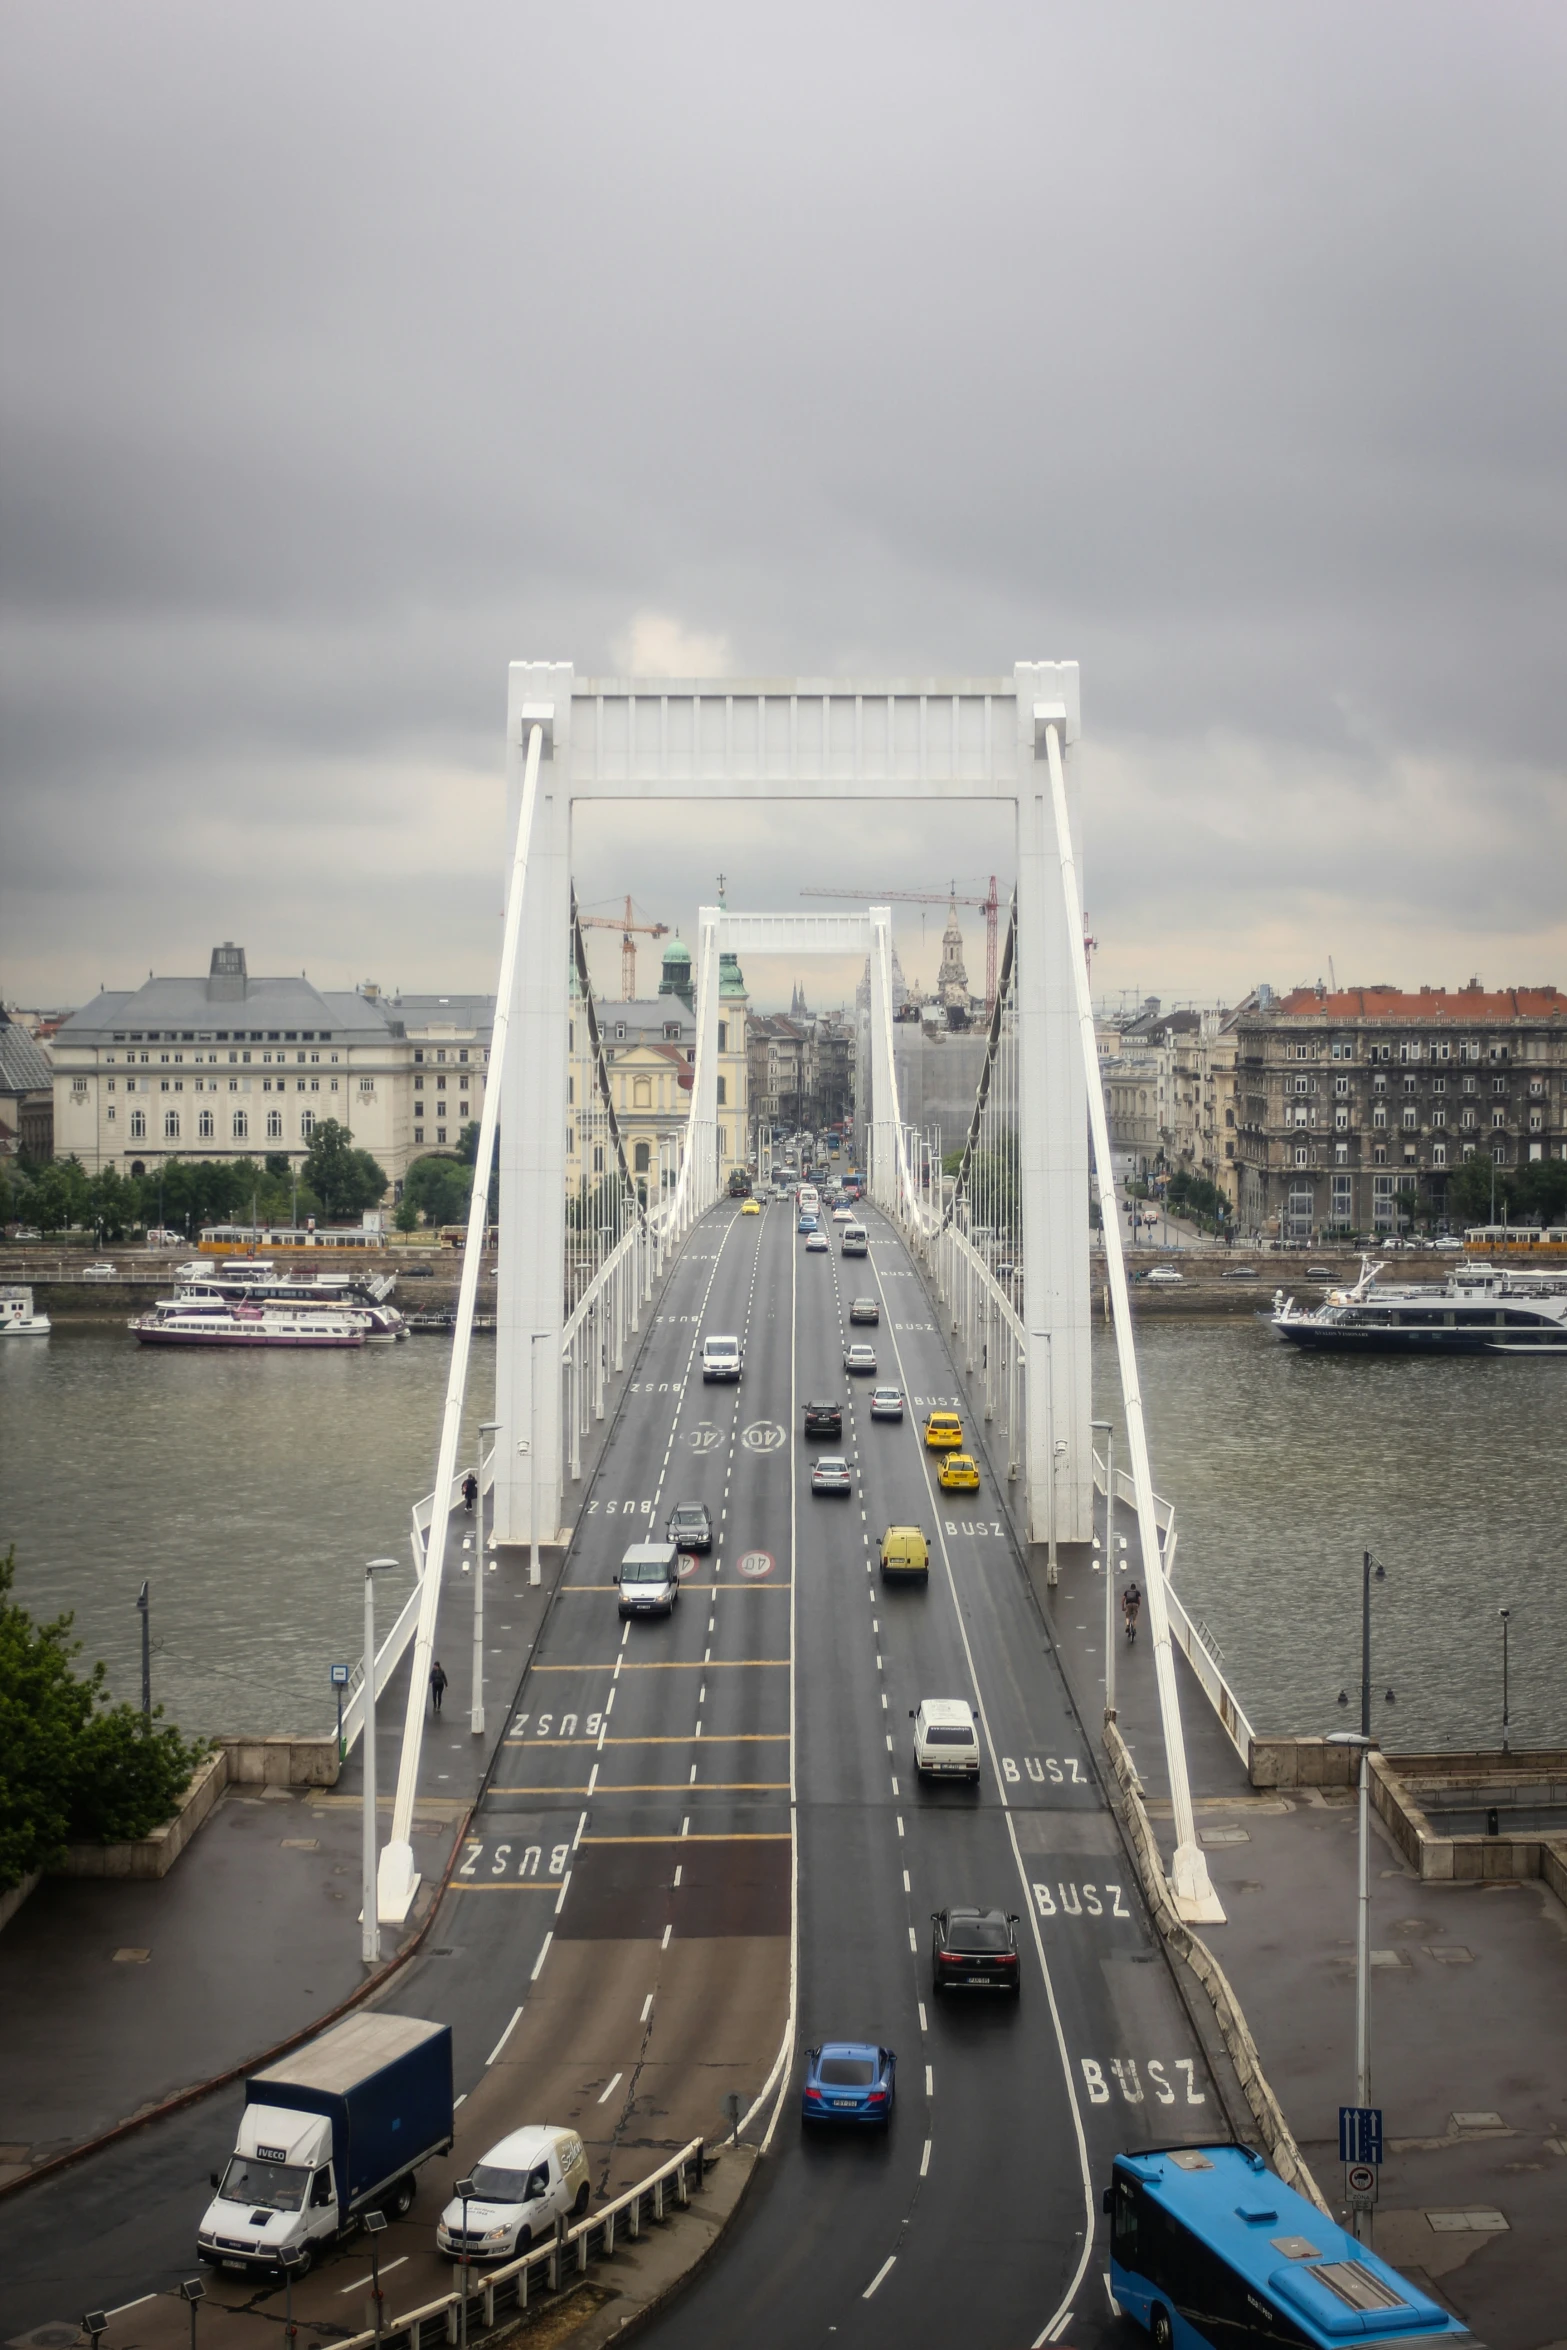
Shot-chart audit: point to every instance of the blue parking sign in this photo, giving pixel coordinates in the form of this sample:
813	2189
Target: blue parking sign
1360	2133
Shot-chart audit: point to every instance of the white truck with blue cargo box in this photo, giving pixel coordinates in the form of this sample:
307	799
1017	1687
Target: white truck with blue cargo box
327	2134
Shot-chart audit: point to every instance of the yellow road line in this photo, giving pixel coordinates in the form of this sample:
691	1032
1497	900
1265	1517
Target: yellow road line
673	1664
740	1836
661	1787
720	1738
741	1583
549	1885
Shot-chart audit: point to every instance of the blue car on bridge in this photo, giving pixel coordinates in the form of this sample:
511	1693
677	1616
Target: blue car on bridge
849	2081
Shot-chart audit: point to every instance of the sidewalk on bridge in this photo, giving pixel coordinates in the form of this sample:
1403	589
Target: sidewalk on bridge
117	1996
1468	2019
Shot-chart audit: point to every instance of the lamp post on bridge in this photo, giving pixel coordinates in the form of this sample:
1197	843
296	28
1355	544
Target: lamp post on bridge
370	1921
476	1713
1107	1430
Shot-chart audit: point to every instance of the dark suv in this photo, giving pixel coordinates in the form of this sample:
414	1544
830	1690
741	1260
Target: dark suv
690	1526
975	1949
824	1419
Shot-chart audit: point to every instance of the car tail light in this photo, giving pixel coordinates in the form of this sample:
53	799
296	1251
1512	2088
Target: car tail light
813	2096
1009	1958
877	2097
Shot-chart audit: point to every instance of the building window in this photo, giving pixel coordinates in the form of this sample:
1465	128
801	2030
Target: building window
1411	1117
598	1158
1379	1085
1302	1155
723	1036
1341	1154
642	1093
1439	1116
418	1085
138	1125
440	1134
1498	1118
1468	1118
418	1056
204	1126
171	1126
79	1087
1379	1115
1536	1121
307	1124
241	1124
1439	1085
418	1134
1410	1084
1379	1154
1341	1087
274	1125
642	1160
723	1093
1439	1154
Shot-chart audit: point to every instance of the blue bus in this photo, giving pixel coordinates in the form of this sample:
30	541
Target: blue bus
1211	2251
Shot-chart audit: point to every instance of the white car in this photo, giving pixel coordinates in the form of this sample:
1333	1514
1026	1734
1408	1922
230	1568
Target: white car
946	1741
1165	1273
99	1273
522	2186
843	1215
858	1359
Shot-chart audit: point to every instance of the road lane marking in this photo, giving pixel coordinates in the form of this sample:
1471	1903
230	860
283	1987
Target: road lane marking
675	1664
668	1930
930	2082
913	1945
544	1951
561	1903
900	1825
657	1738
358	2284
593	1780
880	2274
679	1870
610	2087
907	1887
925	2159
702	1836
501	2042
924	2026
647	2008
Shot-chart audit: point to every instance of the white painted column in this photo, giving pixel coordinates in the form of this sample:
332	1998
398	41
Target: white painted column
1053	1128
533	1132
702	1136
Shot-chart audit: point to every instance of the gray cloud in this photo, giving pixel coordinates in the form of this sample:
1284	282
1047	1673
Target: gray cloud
351	353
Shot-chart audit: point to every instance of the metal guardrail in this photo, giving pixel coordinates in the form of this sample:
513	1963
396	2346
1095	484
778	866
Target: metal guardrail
547	2267
1190	1634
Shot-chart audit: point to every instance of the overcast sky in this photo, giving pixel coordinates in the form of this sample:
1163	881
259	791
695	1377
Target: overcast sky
353	350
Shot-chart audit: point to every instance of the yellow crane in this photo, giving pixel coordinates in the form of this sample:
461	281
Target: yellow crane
629	930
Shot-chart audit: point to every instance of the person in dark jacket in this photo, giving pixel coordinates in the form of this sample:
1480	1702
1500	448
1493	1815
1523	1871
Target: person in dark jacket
437	1683
470	1492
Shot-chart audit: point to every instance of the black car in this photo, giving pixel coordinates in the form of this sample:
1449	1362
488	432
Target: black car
865	1309
824	1419
974	1949
690	1526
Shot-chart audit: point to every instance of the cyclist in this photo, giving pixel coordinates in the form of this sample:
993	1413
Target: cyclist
1131	1608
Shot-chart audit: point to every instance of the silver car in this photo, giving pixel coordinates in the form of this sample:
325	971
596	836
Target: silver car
887	1403
861	1359
831	1474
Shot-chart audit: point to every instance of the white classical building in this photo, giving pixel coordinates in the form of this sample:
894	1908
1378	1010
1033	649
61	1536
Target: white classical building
235	1066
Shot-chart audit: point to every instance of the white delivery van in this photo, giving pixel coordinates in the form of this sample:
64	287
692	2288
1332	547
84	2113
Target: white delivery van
946	1741
720	1358
649	1579
522	2186
855	1240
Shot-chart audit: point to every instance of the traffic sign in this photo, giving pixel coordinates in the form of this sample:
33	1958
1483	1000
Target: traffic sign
340	1676
1360	2133
1360	2178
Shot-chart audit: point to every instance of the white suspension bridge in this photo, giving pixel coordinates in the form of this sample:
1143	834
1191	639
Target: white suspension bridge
1004	1245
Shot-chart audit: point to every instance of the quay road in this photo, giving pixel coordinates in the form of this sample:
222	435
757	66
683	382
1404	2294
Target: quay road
700	1834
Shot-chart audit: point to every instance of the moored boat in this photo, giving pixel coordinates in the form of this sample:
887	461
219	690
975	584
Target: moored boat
19	1317
366	1303
212	1322
1478	1310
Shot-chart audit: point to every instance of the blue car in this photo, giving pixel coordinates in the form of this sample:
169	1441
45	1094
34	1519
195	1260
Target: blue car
849	2081
807	1223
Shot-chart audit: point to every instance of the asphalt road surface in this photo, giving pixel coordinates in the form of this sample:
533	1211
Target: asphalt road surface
704	1834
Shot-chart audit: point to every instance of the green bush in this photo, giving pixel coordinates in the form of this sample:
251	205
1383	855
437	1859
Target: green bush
74	1768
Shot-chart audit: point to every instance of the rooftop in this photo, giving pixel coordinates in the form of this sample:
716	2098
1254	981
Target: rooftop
1462	1005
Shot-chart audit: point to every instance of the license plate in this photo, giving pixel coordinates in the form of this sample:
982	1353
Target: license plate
979	1978
844	2101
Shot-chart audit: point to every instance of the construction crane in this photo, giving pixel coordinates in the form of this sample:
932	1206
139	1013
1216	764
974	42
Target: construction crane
629	932
990	907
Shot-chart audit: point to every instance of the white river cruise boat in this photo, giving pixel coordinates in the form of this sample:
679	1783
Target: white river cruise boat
211	1322
366	1304
1478	1310
18	1319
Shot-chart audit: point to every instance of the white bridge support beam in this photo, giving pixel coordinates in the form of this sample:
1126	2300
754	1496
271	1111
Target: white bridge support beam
530	1281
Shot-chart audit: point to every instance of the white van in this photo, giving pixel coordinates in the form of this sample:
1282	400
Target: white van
649	1580
855	1240
720	1359
521	2187
946	1740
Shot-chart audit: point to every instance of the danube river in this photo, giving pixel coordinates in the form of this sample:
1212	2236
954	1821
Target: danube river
250	1489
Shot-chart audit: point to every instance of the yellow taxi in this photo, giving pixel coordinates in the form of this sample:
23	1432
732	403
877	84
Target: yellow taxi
944	1432
752	1208
958	1473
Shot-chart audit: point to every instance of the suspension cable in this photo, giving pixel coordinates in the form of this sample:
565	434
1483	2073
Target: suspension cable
600	1063
992	1044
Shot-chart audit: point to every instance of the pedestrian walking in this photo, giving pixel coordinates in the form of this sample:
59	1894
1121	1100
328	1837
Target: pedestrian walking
437	1683
470	1492
1131	1608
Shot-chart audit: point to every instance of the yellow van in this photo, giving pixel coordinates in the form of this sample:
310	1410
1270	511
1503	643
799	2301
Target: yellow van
944	1432
905	1555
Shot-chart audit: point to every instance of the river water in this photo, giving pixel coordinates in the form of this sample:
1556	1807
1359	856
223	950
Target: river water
250	1489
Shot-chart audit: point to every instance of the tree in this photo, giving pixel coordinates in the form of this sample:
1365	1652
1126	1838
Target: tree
59	1195
439	1188
74	1768
407	1217
1469	1190
345	1181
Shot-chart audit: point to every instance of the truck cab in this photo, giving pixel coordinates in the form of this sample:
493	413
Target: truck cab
277	2191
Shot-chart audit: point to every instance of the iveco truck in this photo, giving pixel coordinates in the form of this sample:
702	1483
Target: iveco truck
327	2134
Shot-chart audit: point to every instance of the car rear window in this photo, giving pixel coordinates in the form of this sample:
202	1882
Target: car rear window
945	1420
949	1734
847	2072
977	1934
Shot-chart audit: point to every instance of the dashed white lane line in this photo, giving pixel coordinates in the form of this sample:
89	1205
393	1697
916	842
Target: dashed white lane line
930	2082
501	2042
907	1887
668	1930
925	2160
647	2008
560	1898
900	1817
913	1944
924	2026
609	2088
881	2273
544	1951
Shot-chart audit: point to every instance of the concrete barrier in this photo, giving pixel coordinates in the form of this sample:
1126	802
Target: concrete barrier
11	1901
1277	2136
235	1762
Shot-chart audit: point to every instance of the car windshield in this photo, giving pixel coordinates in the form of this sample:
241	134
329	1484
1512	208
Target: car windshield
492	2184
848	2072
689	1513
644	1571
270	2186
977	1934
949	1734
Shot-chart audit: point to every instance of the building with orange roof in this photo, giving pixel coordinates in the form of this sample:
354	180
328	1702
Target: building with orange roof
1353	1102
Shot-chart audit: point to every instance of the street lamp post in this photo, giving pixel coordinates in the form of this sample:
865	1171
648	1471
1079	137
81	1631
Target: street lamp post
144	1610
466	2190
292	2257
1362	1925
1052	1568
476	1715
1506	1615
1107	1429
370	1921
375	2225
533	1459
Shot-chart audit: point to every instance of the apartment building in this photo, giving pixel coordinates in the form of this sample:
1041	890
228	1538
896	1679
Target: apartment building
1347	1099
